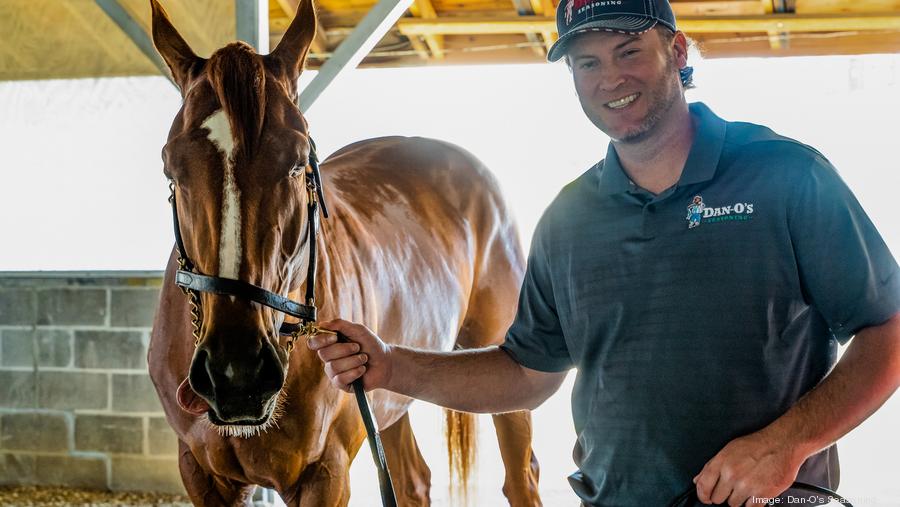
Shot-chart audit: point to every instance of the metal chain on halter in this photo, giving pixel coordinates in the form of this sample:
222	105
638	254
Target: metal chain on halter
193	297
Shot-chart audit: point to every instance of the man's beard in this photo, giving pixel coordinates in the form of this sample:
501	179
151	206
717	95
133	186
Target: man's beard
661	100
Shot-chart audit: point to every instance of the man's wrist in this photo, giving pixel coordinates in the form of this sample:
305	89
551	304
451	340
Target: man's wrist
392	355
790	440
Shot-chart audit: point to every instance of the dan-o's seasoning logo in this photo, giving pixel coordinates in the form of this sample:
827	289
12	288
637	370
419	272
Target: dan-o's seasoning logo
698	211
580	6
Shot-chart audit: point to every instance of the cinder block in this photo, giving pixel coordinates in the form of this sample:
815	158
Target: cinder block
72	471
146	474
34	432
114	434
71	306
69	390
134	393
16	307
17	348
18	389
52	346
162	438
17	469
110	349
133	307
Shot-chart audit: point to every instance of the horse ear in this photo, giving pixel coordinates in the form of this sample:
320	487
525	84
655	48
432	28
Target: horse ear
290	54
181	60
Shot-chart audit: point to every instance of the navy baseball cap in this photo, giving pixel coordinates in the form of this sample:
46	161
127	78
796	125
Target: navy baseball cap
623	16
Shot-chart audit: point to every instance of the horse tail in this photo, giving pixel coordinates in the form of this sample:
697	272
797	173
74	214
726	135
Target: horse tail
460	433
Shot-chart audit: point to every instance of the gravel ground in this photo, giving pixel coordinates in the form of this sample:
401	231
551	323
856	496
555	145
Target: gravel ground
33	496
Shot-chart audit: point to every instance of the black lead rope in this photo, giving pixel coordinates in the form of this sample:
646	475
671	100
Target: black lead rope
372	435
190	280
689	497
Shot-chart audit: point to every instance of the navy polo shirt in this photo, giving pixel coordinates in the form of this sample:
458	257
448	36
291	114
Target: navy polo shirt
700	314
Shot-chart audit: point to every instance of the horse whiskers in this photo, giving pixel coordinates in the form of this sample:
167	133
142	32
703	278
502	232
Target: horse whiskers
245	431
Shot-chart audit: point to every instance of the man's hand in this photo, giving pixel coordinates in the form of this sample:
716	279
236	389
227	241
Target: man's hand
749	469
364	356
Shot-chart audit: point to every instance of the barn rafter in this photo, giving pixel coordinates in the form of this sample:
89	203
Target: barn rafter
44	39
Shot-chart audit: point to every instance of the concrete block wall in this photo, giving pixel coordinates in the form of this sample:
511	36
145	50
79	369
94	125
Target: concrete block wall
77	407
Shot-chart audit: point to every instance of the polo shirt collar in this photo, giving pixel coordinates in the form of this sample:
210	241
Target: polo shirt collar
709	138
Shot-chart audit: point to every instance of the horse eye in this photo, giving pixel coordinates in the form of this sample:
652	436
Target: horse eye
298	169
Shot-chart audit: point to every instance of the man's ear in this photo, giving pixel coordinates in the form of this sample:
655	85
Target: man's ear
680	49
182	61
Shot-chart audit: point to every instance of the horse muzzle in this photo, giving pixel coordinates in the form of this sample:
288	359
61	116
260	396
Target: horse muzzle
240	391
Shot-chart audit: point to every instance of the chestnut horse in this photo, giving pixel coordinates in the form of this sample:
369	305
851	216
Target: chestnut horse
420	247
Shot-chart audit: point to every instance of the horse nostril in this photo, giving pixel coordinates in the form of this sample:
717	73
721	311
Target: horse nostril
271	372
199	376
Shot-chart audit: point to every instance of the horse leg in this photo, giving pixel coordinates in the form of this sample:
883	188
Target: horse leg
514	436
513	430
324	483
409	472
206	489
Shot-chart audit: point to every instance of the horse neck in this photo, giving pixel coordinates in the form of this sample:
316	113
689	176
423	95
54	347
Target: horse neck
341	280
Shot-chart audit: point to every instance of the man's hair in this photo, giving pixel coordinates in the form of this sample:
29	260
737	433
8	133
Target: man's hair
687	73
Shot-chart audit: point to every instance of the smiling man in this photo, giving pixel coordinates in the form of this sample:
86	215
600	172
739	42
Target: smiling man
700	279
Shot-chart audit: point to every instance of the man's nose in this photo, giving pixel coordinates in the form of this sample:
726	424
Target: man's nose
611	78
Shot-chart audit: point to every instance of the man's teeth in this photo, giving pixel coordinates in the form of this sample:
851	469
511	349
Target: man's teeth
624	101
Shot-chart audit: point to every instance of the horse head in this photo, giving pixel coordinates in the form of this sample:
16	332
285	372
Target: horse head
236	155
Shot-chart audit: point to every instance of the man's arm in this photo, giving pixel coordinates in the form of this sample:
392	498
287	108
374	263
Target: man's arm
765	463
484	380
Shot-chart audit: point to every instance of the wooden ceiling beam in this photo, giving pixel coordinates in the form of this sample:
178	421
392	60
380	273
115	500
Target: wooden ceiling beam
845	6
697	24
793	23
545	8
713	46
523	8
720	8
435	42
419	47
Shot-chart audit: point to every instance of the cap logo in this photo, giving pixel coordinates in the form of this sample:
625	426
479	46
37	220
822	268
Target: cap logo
617	16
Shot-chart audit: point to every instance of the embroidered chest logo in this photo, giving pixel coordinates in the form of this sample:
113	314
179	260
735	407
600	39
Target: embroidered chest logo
698	211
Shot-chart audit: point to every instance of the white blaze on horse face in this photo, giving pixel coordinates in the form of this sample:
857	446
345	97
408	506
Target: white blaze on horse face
230	236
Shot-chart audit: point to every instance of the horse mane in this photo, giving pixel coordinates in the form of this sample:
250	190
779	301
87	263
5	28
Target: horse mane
238	78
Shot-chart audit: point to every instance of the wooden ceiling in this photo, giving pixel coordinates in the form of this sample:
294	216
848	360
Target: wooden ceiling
43	39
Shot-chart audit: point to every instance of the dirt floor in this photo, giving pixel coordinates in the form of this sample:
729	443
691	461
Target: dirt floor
31	496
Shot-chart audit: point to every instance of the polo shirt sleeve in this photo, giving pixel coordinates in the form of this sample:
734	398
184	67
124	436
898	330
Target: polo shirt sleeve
846	270
535	339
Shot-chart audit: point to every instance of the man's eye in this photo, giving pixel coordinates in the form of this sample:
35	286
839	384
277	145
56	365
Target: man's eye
632	52
590	64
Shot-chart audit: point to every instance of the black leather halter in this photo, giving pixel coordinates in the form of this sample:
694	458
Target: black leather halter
192	282
689	497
